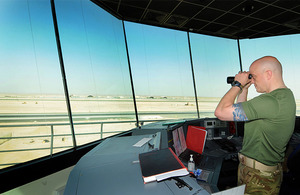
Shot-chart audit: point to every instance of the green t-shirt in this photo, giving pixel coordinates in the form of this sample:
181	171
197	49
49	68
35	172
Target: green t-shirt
271	121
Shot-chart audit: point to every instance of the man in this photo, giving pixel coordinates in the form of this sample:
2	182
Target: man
269	124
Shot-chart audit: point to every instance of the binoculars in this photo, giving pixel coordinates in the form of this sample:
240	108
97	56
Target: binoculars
231	79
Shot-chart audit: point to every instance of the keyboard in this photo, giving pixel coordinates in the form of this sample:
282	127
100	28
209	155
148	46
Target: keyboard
226	144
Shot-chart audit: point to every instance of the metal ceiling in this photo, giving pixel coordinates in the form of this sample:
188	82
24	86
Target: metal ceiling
235	19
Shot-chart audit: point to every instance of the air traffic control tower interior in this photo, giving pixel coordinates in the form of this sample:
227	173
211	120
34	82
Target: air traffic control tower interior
86	80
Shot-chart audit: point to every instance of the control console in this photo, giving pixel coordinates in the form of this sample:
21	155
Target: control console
216	129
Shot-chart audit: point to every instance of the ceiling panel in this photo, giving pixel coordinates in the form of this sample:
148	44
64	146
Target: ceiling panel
235	19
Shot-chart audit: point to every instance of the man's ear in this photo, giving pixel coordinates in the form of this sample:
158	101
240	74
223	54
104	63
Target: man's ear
269	74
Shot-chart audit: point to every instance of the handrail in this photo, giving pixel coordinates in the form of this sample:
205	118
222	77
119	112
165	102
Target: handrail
52	125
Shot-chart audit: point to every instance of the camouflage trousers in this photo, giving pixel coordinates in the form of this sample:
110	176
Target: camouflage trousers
259	182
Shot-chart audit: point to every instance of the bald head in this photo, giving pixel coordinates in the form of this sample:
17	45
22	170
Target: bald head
267	74
268	63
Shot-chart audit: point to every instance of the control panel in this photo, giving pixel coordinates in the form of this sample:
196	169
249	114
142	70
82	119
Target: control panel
216	129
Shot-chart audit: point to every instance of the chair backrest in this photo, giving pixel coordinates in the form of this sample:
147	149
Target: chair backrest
293	162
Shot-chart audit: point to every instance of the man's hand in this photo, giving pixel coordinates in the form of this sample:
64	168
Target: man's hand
243	78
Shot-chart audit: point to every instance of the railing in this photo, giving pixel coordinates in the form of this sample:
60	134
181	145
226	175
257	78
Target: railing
52	135
52	126
51	121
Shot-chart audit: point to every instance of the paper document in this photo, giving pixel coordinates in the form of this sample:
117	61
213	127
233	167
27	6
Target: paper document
142	142
182	172
233	191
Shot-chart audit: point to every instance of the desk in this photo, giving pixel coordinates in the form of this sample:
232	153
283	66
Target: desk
112	168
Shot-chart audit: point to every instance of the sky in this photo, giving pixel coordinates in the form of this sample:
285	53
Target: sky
95	56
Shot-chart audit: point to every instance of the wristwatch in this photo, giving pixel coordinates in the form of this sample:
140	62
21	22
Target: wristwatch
238	84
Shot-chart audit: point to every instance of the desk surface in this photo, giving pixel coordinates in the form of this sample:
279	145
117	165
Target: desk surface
113	168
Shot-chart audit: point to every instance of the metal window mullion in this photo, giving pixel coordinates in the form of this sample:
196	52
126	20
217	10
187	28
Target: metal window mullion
130	74
59	50
240	55
241	68
193	74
